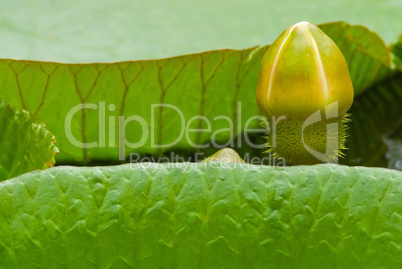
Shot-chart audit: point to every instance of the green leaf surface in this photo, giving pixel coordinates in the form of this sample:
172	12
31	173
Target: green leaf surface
25	143
397	52
368	58
110	30
373	115
209	84
205	215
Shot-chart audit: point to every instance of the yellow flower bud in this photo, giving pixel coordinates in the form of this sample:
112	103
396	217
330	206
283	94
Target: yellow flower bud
304	73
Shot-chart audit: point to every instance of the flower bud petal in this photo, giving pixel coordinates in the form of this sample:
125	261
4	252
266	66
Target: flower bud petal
303	71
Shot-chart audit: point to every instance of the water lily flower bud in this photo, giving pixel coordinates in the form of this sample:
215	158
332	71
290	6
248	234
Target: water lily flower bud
301	73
